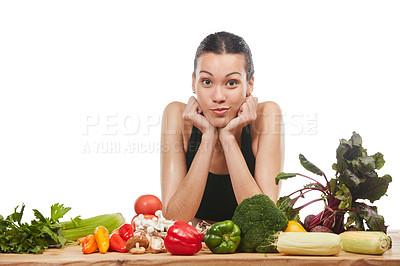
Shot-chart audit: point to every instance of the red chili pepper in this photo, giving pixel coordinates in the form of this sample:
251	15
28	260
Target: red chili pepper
126	231
183	239
117	243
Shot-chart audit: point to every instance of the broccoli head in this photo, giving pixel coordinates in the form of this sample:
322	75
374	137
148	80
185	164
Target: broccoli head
259	221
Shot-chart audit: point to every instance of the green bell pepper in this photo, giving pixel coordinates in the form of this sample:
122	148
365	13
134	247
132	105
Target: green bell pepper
223	237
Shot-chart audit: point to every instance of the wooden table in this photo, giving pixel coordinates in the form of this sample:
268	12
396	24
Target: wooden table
72	255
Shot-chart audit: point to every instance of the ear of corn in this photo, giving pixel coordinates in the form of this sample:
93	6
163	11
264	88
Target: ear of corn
309	243
365	242
77	228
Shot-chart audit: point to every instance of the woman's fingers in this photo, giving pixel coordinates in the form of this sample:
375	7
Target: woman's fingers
247	113
253	102
190	110
248	110
192	114
198	108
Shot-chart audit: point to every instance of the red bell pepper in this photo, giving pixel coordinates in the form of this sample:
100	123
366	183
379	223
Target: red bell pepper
117	243
126	231
183	239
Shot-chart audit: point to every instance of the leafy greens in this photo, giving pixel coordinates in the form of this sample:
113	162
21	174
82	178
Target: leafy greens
356	179
40	234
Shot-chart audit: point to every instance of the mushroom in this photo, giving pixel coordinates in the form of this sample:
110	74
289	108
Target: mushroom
139	239
150	229
156	245
137	249
160	234
202	227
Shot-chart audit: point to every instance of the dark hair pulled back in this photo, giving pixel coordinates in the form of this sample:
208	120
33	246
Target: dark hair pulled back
226	43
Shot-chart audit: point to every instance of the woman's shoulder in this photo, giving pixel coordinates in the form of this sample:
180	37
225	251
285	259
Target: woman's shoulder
175	107
173	111
268	123
269	116
172	117
268	107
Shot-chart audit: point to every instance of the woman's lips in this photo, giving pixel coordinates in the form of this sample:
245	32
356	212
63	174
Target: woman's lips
221	111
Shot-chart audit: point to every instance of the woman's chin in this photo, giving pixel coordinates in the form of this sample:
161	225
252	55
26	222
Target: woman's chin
219	122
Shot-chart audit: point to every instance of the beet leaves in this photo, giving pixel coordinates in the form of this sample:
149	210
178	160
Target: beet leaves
356	180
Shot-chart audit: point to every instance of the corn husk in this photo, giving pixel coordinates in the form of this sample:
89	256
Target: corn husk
365	242
309	243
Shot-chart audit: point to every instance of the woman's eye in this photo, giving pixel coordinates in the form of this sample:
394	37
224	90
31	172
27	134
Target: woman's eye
206	82
232	83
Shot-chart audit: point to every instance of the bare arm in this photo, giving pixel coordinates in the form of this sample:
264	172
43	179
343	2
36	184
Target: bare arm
243	183
271	149
182	191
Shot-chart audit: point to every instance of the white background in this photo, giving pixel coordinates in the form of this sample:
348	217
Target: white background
78	74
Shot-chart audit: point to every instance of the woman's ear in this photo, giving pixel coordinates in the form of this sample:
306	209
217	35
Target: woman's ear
250	85
193	82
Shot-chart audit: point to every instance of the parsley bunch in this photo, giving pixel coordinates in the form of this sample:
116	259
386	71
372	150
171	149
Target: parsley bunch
36	237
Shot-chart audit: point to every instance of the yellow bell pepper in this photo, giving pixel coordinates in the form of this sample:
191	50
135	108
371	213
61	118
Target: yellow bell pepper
294	226
102	238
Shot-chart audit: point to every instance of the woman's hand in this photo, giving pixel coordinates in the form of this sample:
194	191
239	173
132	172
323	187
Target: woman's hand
192	114
247	113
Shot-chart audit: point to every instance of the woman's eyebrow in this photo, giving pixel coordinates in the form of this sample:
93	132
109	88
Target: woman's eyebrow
233	73
209	73
206	72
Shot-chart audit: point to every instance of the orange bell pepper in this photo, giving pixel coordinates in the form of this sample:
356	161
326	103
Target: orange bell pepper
89	245
80	240
102	238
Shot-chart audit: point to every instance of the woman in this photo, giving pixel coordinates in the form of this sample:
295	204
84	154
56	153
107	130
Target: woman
223	146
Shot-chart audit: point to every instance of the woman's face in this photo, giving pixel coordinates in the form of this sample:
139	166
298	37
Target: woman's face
221	86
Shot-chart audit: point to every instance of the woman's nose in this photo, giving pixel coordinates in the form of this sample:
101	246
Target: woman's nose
218	96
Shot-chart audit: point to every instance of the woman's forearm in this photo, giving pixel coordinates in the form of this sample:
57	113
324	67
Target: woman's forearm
185	202
243	183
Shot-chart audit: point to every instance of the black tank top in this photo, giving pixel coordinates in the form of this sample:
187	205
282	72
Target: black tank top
219	202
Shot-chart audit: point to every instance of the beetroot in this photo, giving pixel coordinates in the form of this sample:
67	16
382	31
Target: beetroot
321	229
356	179
307	221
